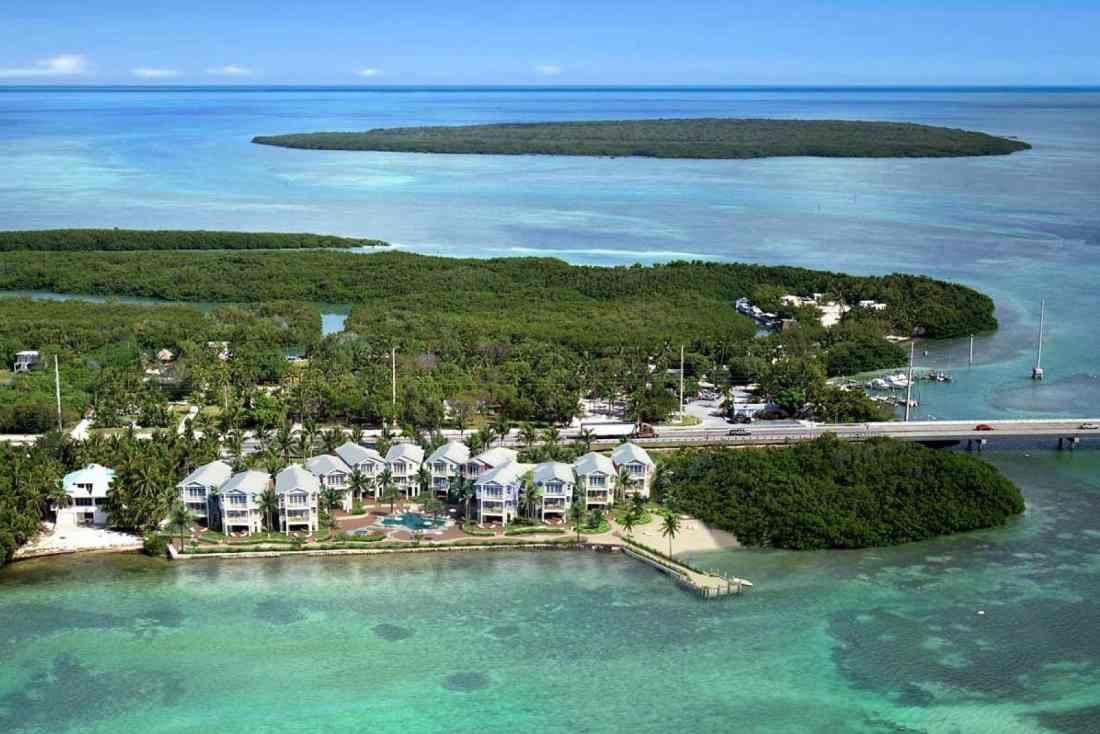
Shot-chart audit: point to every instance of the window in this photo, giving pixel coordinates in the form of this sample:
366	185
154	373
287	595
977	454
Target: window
83	502
196	493
597	480
236	499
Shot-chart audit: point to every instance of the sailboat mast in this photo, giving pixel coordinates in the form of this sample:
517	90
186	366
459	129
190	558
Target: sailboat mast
909	386
1037	372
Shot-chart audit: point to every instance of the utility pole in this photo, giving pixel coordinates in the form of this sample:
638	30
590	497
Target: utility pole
57	390
909	386
971	350
393	384
681	384
1037	372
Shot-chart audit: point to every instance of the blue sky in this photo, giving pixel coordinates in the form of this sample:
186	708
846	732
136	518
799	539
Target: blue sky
540	42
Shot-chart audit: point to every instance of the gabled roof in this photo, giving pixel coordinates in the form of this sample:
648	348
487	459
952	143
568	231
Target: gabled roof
353	454
249	482
407	451
326	464
628	452
496	457
214	474
294	477
510	473
100	477
551	470
593	462
454	451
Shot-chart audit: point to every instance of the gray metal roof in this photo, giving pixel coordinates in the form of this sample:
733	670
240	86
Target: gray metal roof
407	451
496	457
510	473
249	482
628	452
353	454
326	464
294	477
100	477
453	451
214	474
551	470
592	462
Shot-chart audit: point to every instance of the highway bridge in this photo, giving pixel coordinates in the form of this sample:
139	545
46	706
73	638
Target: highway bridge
1062	432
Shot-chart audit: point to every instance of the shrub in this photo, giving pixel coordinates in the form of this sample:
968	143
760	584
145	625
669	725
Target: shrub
155	545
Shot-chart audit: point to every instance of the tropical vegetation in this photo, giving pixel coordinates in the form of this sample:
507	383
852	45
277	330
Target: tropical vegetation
668	138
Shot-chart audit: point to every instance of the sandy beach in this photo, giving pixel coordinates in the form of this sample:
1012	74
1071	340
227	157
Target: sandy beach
694	536
55	541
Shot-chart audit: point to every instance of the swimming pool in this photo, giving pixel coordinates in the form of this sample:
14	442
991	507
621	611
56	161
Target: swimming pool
414	521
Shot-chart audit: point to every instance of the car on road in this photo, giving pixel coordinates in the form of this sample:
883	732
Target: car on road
983	427
1089	427
644	431
738	432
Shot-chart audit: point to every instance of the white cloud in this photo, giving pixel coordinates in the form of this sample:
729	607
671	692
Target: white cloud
60	65
229	70
147	73
548	69
369	72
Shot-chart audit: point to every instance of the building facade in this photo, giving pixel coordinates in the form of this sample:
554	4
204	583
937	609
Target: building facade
299	492
447	463
497	492
239	499
404	461
595	481
556	482
87	490
639	467
199	492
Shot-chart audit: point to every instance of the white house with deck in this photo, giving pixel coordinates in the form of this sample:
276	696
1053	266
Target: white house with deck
638	466
298	491
87	490
497	492
595	480
446	463
489	459
25	360
332	473
240	502
404	460
556	481
369	462
199	490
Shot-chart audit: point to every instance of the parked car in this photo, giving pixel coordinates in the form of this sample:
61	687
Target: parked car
1089	427
983	427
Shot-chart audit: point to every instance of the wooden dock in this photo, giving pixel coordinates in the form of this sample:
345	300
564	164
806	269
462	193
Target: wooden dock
709	585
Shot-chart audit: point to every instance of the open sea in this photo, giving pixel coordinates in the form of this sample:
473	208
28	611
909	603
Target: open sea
873	641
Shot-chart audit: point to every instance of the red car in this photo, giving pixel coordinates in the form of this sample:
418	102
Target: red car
983	427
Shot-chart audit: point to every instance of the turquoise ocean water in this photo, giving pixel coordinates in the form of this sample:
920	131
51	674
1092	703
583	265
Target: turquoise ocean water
885	640
876	641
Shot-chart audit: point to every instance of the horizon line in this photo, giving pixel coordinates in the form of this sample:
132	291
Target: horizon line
542	86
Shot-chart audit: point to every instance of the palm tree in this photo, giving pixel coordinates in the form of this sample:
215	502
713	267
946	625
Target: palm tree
331	499
662	478
331	438
532	494
359	484
623	481
181	519
284	441
529	435
357	434
487	433
302	444
473	442
269	507
389	492
576	514
629	521
424	479
670	528
501	426
234	444
310	430
586	437
550	437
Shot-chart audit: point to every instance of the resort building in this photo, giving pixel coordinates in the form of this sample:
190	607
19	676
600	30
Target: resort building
446	463
298	492
595	480
332	473
404	460
199	490
638	466
240	502
25	360
497	492
87	490
490	459
556	481
368	461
